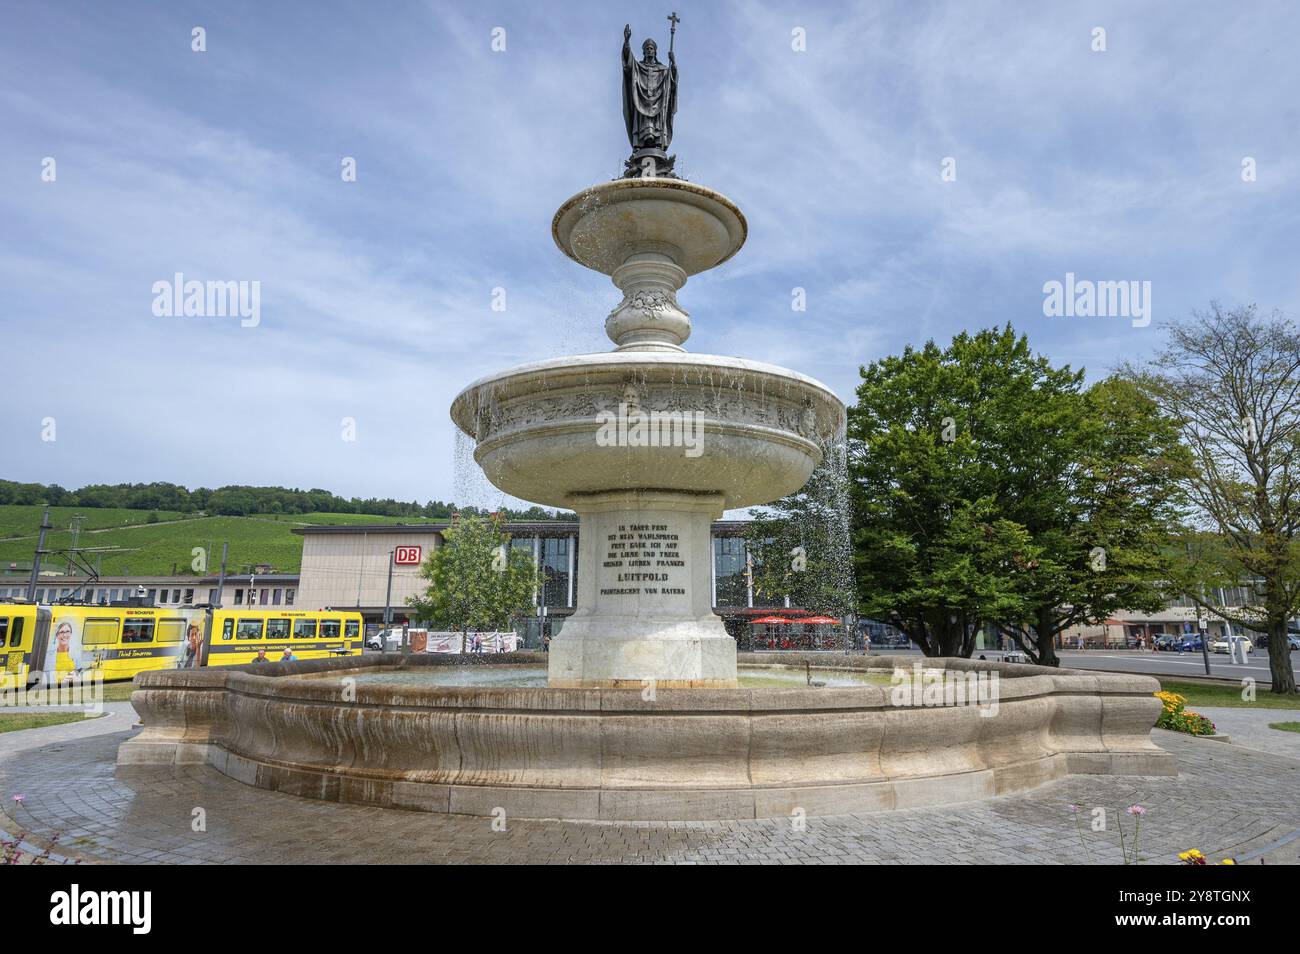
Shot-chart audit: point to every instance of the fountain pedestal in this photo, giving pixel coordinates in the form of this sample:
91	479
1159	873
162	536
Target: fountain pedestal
645	612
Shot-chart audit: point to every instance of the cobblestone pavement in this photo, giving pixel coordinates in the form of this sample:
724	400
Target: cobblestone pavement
1248	728
1227	801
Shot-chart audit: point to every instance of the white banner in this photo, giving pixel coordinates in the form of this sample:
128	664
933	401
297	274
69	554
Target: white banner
467	643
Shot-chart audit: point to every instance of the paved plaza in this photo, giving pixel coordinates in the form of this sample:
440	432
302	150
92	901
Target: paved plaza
1229	800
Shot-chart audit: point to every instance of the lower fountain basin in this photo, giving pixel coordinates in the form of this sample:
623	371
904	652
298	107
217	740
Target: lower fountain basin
376	730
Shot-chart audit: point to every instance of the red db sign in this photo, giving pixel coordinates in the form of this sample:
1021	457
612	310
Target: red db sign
407	556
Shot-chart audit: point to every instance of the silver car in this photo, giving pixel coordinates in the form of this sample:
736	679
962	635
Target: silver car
1243	644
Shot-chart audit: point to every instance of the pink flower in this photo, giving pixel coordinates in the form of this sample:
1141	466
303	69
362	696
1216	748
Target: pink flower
1135	810
20	799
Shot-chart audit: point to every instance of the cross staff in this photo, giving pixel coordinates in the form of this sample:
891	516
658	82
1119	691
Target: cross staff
673	20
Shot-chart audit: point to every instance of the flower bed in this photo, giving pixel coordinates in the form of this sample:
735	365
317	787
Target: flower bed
1178	718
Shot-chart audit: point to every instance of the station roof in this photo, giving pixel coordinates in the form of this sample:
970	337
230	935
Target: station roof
541	527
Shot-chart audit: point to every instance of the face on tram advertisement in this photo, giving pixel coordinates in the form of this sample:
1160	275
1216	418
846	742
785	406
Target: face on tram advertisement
67	657
68	669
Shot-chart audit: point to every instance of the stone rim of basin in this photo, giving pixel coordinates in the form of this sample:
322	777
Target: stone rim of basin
694	250
611	754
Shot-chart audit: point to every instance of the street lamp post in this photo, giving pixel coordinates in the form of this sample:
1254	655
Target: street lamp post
388	603
1205	653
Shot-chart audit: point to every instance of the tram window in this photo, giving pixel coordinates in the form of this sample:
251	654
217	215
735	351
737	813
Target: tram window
99	632
170	630
228	630
352	629
277	629
137	631
16	637
329	629
304	629
249	629
4	629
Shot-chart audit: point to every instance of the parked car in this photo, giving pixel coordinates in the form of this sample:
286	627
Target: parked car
1261	641
1221	645
389	640
1165	643
1189	644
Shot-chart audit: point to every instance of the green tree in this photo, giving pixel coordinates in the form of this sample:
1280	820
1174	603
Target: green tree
990	487
476	579
1095	484
1231	381
928	437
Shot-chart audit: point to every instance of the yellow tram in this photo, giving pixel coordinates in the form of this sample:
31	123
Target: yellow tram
71	643
244	636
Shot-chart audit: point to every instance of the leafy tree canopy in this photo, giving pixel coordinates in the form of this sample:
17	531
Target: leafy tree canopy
476	579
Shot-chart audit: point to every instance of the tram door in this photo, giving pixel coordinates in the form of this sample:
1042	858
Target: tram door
19	645
11	648
206	647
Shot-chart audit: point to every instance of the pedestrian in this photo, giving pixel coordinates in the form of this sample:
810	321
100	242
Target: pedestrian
287	655
546	643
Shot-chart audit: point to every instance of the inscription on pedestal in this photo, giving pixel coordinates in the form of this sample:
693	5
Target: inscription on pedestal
644	559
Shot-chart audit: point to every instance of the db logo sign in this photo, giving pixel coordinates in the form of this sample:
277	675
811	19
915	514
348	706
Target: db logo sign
407	556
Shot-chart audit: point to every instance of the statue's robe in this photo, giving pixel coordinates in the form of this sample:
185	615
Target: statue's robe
649	101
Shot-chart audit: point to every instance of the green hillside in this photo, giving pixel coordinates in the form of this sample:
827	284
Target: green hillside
22	520
154	548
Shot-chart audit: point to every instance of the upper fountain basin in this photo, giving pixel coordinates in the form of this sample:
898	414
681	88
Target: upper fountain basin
601	227
553	431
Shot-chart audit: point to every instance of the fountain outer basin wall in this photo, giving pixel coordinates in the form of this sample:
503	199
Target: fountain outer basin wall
611	754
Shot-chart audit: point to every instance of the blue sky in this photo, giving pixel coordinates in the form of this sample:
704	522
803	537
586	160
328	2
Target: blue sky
376	294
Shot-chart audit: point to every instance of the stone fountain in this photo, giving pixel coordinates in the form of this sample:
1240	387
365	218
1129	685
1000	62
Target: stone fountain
648	443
